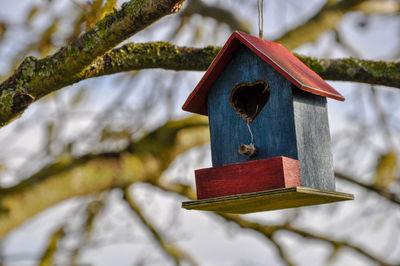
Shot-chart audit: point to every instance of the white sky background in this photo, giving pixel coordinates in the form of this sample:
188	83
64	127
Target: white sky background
210	241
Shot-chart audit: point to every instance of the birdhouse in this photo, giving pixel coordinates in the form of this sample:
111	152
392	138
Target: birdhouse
269	131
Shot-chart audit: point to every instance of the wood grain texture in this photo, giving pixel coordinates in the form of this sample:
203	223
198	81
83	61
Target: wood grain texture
273	129
292	172
313	140
239	178
267	200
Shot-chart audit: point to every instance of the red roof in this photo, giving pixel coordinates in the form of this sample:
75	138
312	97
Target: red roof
274	54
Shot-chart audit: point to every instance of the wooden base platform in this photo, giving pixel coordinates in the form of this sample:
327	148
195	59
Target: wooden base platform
267	200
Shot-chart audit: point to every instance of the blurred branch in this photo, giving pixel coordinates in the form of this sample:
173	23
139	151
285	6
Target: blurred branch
221	15
257	227
93	209
143	160
172	251
379	7
269	230
48	256
327	18
381	192
63	166
383	119
283	255
330	15
35	78
337	244
168	56
345	44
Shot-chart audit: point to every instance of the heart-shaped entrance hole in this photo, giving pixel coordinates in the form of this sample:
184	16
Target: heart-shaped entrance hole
248	99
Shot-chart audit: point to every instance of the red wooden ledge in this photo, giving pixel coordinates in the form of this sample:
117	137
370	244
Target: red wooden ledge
253	176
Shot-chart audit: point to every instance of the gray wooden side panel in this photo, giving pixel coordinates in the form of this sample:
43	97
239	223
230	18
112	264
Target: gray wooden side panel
273	130
313	140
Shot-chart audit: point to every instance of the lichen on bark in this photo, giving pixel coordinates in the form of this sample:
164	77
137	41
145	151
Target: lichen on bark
168	56
40	77
354	69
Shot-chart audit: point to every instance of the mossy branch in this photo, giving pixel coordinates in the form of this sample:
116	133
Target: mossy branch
165	55
356	70
168	56
35	78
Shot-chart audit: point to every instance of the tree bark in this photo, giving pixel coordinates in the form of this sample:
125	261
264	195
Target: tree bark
35	78
171	57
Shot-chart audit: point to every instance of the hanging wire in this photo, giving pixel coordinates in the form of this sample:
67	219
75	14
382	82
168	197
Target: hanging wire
251	134
260	8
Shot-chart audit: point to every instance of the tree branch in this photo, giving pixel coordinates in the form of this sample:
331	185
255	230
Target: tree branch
219	14
168	56
356	70
151	55
282	253
337	244
48	255
327	18
92	210
269	230
144	160
172	251
381	192
36	78
379	7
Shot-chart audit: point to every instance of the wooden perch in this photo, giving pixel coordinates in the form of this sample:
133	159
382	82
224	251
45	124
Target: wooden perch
248	150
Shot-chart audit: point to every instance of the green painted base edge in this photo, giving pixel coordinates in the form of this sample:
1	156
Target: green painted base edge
267	200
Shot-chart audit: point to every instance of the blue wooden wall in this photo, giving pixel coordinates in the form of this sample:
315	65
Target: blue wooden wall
313	140
273	129
293	123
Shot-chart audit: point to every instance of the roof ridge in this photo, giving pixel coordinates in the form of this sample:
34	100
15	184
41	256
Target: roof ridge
272	53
